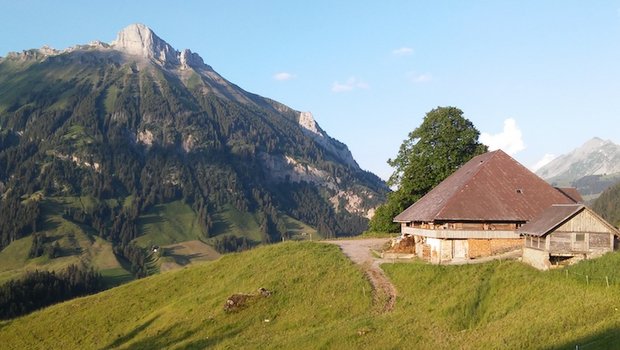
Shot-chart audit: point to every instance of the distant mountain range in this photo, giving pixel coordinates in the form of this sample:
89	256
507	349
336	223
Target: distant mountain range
140	144
591	168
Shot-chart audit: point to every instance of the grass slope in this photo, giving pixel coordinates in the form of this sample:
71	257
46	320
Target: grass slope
167	224
313	286
78	245
321	300
172	225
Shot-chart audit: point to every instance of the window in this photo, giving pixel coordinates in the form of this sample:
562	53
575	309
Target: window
580	237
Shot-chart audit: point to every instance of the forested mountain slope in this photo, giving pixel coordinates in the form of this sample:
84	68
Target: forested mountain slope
608	205
114	140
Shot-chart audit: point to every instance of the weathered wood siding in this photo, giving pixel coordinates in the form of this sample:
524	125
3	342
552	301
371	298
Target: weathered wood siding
600	240
536	242
584	233
584	222
560	242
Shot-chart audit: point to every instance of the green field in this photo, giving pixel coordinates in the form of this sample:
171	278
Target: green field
321	300
167	224
78	245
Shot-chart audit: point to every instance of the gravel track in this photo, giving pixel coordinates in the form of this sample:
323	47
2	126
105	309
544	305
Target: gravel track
360	252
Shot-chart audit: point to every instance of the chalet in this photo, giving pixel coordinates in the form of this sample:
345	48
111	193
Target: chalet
566	233
477	210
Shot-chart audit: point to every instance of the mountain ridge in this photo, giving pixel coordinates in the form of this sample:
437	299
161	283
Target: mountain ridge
139	128
590	168
607	161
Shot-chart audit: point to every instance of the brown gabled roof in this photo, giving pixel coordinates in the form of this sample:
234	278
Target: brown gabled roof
551	218
555	216
490	187
571	193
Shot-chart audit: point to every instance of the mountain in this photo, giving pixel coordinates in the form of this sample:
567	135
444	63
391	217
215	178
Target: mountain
133	144
591	168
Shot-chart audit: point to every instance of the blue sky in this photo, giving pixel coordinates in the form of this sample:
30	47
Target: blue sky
536	77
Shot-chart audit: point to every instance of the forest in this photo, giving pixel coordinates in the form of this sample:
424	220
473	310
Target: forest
38	289
85	126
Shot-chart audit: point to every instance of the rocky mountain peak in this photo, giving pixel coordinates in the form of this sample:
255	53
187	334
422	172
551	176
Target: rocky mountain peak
140	40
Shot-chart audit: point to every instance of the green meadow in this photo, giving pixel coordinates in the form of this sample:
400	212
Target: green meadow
321	300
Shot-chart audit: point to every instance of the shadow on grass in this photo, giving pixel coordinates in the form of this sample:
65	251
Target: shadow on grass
150	220
127	337
182	259
166	339
117	280
608	339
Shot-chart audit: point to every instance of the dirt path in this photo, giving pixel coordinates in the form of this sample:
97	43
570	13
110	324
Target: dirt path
359	251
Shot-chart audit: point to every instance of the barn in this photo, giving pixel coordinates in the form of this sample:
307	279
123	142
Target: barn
477	211
564	234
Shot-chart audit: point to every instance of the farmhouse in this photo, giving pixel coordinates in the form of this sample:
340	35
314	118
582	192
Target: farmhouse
477	210
565	233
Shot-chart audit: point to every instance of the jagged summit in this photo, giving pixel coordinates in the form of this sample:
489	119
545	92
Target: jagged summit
135	40
140	40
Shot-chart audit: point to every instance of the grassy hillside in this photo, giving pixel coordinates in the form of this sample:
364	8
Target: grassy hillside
320	300
172	225
78	244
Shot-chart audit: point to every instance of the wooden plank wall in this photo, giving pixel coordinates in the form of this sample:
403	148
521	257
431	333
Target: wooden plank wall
561	242
583	222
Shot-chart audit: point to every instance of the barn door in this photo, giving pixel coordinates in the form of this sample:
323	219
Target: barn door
460	249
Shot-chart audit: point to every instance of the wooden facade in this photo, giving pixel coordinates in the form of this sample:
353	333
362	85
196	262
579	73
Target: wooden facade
566	233
445	242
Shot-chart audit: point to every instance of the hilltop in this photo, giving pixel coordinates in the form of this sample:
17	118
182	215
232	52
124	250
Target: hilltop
320	299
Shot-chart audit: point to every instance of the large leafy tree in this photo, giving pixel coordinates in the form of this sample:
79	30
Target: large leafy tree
441	144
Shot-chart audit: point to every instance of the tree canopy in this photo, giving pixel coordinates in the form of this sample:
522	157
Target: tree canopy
608	205
441	144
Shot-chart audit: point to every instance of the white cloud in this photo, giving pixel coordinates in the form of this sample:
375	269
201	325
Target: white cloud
351	84
402	51
283	76
509	140
420	78
546	159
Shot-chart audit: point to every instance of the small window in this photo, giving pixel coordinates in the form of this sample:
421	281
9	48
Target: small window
580	237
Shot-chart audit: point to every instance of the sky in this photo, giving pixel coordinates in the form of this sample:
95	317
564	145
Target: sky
537	78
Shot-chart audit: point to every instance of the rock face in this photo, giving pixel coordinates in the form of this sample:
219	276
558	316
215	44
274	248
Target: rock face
140	40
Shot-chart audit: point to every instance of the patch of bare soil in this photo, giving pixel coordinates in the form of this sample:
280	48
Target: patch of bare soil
360	252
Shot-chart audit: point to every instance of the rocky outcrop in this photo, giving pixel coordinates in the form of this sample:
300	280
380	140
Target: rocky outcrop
338	149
